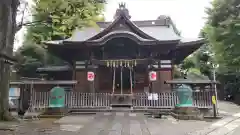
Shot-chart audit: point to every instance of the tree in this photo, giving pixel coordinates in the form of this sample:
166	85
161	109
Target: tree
193	67
30	57
8	12
187	64
201	60
65	16
8	28
57	20
222	33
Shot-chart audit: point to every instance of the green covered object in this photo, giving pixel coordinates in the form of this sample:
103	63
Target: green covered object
57	97
184	93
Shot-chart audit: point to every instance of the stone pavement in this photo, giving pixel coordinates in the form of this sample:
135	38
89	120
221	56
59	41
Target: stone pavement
125	123
108	123
228	125
235	132
228	108
225	126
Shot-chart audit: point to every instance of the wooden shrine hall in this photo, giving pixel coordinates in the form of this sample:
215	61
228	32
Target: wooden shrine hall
120	54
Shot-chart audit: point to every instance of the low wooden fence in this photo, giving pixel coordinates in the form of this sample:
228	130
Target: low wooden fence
87	100
73	100
166	100
40	100
202	99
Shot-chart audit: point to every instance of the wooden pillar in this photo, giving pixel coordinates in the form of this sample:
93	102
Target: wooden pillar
31	95
74	70
114	77
150	68
92	82
24	97
93	69
121	80
131	81
21	98
74	73
166	69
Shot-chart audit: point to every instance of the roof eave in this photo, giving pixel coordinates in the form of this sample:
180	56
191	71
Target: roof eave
191	82
53	69
199	42
102	42
122	34
53	43
187	48
8	59
46	82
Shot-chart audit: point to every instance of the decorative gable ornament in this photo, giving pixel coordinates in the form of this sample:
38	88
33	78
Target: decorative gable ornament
122	10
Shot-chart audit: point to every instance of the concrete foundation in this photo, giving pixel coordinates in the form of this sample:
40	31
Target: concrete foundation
187	113
60	111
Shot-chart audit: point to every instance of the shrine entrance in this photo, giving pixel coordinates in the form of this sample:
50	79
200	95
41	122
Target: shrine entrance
123	80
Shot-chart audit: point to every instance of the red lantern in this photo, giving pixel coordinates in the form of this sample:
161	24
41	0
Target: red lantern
152	76
90	76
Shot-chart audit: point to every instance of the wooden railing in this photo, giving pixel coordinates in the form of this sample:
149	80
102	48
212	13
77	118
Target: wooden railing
40	100
83	100
165	100
103	100
201	99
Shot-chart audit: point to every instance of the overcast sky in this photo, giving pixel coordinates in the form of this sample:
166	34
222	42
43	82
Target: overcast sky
188	15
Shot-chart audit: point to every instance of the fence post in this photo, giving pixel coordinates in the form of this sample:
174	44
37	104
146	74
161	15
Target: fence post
214	106
214	102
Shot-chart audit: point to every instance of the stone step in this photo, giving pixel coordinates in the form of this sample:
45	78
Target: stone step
121	105
89	110
121	108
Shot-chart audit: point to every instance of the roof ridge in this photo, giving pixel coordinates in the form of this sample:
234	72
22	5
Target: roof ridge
173	26
128	21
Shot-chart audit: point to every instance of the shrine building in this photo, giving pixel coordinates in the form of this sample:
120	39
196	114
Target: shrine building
118	56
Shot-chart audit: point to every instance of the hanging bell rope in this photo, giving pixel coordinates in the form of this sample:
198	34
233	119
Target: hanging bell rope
114	64
111	64
117	63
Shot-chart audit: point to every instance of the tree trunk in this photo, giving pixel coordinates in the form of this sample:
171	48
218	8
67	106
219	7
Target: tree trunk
8	11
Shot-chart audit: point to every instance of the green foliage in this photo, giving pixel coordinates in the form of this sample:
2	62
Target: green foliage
177	72
54	20
65	16
222	32
195	74
187	64
201	61
30	57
